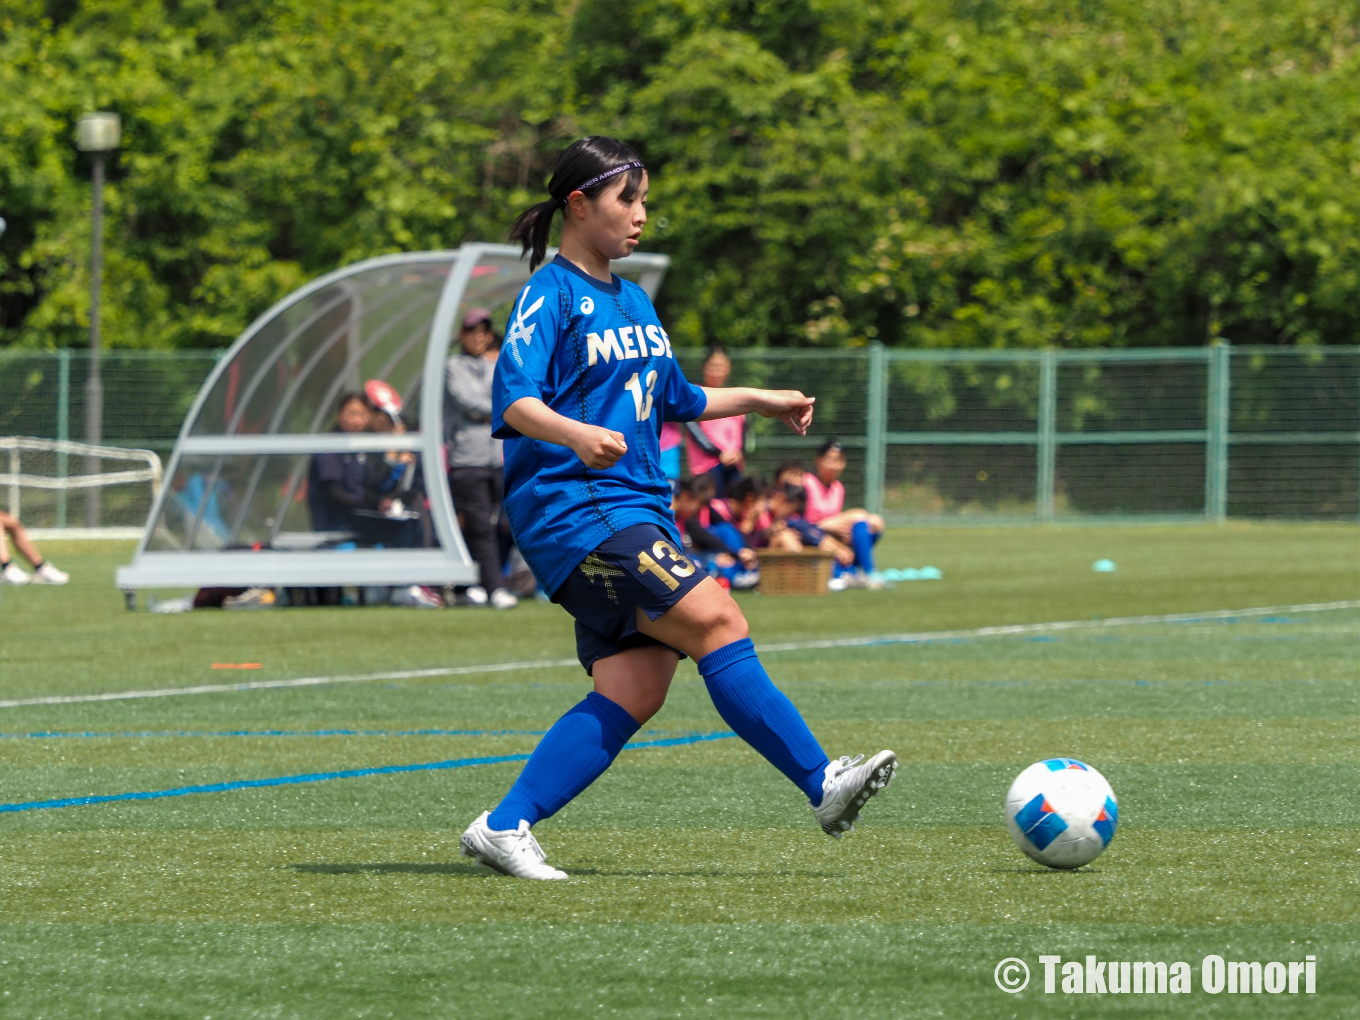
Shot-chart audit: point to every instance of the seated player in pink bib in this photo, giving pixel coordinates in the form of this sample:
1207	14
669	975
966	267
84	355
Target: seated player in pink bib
826	509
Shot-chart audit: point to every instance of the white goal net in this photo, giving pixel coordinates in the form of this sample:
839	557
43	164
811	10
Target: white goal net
62	489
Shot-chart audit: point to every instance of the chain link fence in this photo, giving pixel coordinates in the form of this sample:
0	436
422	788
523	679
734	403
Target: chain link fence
992	436
1173	434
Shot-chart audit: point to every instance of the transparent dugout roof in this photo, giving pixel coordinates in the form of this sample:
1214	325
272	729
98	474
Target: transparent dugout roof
240	506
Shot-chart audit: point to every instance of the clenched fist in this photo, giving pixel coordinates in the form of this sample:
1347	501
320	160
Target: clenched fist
598	447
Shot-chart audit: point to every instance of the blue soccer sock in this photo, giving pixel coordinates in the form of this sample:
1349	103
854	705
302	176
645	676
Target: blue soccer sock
571	756
762	716
862	541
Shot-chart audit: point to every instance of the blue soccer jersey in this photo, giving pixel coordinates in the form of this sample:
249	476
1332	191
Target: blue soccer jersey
594	352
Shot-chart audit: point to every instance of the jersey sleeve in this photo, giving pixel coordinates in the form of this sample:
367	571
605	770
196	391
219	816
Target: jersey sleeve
526	353
683	400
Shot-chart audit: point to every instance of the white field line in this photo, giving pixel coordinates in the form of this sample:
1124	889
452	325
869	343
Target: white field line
1043	628
303	681
786	646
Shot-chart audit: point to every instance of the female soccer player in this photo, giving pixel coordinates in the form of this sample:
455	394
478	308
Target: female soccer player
585	379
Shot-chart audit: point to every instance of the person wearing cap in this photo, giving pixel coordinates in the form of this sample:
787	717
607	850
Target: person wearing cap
476	473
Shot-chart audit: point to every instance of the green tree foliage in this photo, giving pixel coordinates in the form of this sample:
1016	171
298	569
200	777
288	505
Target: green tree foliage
944	173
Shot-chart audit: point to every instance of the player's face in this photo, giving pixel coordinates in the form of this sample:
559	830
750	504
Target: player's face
353	417
476	340
830	465
716	370
614	224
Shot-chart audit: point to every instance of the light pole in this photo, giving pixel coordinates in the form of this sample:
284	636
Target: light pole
96	133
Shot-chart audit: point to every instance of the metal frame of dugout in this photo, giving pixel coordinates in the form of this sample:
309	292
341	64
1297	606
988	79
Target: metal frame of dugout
233	509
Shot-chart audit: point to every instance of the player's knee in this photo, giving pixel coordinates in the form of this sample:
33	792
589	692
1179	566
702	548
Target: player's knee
646	704
727	621
876	524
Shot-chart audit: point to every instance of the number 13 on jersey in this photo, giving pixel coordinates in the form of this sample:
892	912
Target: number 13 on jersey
642	403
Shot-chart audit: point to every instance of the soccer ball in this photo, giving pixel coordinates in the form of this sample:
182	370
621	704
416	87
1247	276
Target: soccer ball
1061	812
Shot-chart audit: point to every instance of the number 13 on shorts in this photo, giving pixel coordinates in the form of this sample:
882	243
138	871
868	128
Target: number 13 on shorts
643	404
662	550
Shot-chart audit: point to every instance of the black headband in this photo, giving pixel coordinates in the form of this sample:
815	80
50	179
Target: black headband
635	164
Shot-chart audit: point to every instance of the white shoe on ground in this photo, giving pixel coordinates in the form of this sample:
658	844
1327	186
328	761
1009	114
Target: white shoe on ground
848	786
414	596
475	595
503	599
13	575
512	852
838	583
745	580
48	574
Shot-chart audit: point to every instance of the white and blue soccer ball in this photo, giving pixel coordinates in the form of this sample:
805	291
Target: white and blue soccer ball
1061	812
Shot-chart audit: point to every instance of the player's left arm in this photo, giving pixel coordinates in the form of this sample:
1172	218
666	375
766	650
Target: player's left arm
791	407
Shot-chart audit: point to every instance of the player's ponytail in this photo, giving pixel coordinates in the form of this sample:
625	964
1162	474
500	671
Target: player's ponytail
588	166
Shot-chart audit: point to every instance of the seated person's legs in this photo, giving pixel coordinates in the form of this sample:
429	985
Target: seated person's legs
43	572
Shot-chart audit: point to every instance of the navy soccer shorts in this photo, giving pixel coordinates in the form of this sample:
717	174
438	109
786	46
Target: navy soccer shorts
639	568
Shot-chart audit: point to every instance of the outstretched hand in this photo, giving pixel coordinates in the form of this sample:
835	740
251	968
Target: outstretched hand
791	407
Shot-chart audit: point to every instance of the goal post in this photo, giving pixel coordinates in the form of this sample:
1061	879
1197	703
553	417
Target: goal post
41	480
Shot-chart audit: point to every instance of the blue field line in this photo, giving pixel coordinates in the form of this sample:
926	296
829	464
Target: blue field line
321	777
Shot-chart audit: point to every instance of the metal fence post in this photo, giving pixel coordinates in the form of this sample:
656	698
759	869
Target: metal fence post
63	425
1047	438
876	429
1216	432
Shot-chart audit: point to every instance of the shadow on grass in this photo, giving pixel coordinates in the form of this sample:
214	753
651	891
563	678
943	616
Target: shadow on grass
477	871
1036	869
394	868
730	873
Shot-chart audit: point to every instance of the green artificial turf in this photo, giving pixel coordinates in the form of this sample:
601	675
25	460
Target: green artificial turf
700	885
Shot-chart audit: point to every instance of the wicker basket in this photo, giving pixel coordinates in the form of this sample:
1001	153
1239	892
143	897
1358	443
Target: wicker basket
795	573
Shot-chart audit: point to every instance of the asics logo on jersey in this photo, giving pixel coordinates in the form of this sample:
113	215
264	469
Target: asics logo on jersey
519	329
628	342
587	305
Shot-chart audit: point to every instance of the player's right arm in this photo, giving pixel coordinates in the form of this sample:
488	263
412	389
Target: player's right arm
517	405
597	447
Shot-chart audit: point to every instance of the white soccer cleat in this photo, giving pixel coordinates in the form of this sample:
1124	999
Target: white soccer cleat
848	786
13	575
503	599
48	574
512	852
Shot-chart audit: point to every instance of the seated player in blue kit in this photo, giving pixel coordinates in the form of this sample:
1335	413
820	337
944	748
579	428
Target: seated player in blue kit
585	379
790	530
